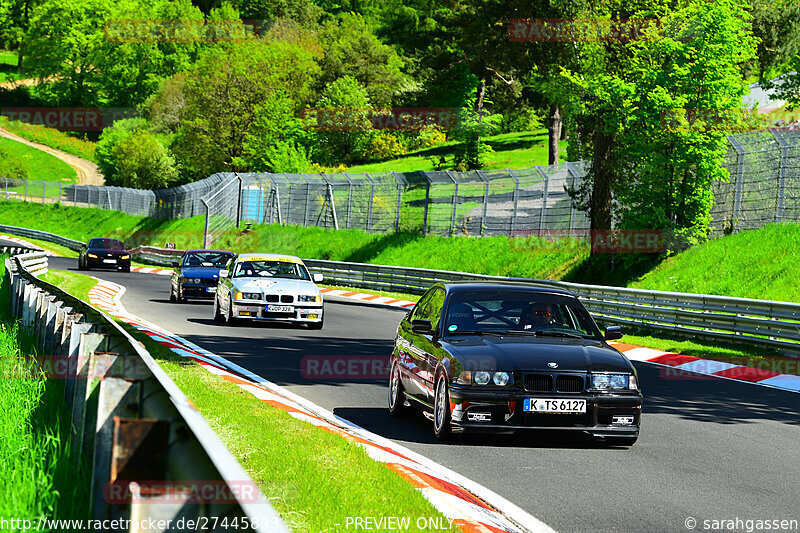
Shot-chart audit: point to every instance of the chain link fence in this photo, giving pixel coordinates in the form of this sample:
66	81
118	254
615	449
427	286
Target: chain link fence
764	187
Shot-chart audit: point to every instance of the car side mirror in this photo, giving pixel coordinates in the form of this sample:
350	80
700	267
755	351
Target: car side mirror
423	327
223	273
613	333
318	278
174	264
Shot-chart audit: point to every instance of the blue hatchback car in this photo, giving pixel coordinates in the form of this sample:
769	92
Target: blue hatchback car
197	274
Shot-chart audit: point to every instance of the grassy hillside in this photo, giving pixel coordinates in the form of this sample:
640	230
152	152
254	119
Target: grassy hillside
754	264
36	164
51	137
491	255
511	150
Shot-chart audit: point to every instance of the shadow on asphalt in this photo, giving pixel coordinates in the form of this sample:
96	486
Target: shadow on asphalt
709	399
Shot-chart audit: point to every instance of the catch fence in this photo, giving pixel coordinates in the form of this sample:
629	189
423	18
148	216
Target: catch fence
764	187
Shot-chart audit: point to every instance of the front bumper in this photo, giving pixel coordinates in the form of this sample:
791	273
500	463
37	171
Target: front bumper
100	262
196	290
301	312
502	411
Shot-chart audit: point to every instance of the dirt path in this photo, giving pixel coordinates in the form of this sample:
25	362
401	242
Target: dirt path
88	172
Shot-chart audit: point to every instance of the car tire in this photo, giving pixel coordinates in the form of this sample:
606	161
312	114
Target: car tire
229	318
441	409
397	407
217	315
81	266
172	298
178	297
621	441
126	269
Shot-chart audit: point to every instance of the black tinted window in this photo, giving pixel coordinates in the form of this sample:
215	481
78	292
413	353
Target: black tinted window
106	244
516	310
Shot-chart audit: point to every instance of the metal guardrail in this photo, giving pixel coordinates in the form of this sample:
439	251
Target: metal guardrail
131	419
764	322
44	236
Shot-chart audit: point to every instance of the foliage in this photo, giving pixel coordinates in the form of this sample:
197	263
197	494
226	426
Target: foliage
385	145
11	167
473	151
350	142
352	49
109	139
142	162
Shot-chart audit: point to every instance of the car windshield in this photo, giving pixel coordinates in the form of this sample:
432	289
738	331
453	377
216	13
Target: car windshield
517	312
206	259
270	269
106	244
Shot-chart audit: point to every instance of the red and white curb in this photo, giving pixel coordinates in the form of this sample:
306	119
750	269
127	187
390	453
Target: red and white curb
152	270
27	244
471	507
366	297
709	367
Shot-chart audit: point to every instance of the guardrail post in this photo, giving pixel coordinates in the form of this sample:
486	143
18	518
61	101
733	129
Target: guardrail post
737	199
349	198
371	200
781	173
116	398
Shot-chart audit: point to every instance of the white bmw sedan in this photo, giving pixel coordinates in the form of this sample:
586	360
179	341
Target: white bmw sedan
268	287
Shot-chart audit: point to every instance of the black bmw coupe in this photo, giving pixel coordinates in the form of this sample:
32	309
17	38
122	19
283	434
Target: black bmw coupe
503	358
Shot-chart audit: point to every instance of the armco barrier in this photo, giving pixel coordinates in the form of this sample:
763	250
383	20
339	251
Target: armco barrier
143	437
764	322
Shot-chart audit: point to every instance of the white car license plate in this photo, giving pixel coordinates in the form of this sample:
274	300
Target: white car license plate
210	289
280	309
110	261
554	405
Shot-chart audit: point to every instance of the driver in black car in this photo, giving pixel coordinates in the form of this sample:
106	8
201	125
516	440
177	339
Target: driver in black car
538	316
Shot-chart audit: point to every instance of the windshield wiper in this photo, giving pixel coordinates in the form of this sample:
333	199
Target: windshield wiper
546	333
469	332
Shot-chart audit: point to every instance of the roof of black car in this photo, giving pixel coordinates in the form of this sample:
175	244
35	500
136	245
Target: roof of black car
458	286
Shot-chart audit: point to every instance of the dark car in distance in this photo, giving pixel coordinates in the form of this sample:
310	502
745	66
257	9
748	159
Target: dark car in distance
196	275
104	253
509	357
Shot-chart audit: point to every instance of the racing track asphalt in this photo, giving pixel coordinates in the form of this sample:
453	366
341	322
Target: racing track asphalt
709	449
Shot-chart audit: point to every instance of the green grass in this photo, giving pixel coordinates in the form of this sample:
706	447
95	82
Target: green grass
489	255
511	150
8	67
758	263
37	465
78	285
51	137
314	478
36	164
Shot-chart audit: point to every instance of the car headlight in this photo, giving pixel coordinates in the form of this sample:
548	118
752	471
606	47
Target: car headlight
464	378
92	256
247	296
481	377
501	378
125	257
610	381
308	298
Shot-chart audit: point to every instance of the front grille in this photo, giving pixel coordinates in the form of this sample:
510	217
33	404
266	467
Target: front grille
272	298
287	298
209	282
566	383
539	383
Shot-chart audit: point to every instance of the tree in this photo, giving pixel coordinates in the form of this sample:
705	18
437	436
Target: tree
347	98
143	162
15	18
352	49
66	43
225	90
